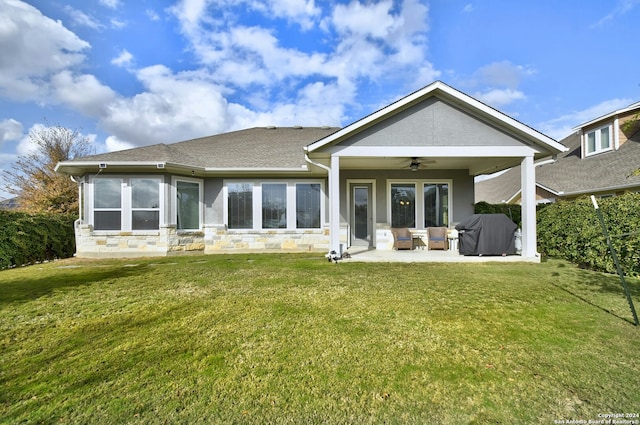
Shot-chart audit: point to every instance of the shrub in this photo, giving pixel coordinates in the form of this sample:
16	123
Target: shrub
27	238
571	230
512	211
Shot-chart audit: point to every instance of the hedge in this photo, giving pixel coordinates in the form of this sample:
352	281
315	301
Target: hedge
571	230
27	238
512	211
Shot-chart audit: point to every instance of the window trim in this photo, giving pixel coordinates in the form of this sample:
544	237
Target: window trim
416	186
174	202
291	212
92	202
126	209
419	185
598	140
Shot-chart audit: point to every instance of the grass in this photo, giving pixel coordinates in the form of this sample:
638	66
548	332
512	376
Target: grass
295	339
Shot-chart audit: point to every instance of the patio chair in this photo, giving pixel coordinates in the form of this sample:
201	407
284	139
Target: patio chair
437	238
402	238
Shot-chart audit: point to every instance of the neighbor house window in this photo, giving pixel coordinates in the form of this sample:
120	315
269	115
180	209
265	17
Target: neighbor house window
308	206
240	205
436	204
274	206
598	140
107	204
403	205
145	204
187	205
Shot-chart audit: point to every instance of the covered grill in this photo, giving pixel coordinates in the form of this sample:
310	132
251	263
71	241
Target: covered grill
487	234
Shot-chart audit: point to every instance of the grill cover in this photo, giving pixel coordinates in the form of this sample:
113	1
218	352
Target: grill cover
487	234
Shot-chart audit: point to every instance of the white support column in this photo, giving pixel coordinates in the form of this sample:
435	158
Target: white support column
528	204
334	206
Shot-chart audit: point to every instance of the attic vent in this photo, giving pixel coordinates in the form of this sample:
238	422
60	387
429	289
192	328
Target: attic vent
297	127
160	165
271	127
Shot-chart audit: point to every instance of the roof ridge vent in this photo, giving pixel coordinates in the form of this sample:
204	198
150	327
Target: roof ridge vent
270	127
297	127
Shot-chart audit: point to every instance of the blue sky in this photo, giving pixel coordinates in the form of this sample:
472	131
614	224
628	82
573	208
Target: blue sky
134	73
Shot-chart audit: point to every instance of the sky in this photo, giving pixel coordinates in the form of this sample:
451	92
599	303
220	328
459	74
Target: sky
135	73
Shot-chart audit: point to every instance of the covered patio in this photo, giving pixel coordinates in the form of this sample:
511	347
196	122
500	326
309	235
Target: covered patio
412	165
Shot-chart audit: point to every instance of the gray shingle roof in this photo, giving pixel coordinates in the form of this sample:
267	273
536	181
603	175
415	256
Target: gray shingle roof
259	147
571	174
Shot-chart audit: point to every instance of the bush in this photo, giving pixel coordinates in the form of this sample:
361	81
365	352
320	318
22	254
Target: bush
571	230
27	239
512	211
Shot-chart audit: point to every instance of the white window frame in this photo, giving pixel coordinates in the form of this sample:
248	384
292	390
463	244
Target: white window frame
174	202
419	185
598	140
125	202
449	184
257	203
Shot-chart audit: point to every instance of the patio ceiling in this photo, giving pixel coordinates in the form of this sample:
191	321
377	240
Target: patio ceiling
474	164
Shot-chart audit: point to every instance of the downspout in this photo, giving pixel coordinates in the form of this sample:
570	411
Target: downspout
328	170
80	215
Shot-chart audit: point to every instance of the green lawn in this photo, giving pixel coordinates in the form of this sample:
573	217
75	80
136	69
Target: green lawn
295	339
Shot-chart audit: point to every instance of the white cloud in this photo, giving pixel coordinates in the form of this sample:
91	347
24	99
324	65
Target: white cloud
173	107
302	12
113	4
151	14
365	20
562	126
622	8
123	59
114	144
83	93
33	47
502	73
468	8
82	19
499	97
10	129
118	24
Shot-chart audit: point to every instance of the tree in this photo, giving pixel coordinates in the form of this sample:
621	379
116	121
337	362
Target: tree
33	179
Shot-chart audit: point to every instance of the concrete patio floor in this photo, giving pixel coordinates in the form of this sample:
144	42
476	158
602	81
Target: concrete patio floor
362	254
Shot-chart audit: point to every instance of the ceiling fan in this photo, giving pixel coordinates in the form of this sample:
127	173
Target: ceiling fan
417	162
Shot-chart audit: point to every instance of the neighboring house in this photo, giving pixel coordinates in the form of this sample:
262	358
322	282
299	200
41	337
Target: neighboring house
603	159
411	164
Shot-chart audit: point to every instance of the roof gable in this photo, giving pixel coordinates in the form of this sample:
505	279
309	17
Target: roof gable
449	99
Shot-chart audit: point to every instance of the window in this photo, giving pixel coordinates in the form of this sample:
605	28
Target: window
126	203
187	205
403	205
145	204
274	206
240	205
107	204
308	206
436	204
598	140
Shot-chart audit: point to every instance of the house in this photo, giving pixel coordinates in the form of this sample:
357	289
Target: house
410	164
603	159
